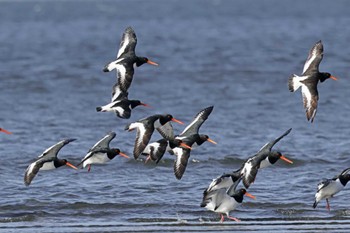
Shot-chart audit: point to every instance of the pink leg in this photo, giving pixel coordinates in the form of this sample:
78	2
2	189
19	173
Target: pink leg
222	218
148	158
89	167
328	206
233	218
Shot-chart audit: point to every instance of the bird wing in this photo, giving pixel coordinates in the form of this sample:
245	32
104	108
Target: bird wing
315	57
182	156
310	100
158	152
324	183
344	172
125	77
232	190
167	131
268	146
143	136
104	142
249	171
226	181
196	123
32	170
128	42
51	152
118	93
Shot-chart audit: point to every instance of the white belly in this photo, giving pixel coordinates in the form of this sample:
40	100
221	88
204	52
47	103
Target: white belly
96	158
48	166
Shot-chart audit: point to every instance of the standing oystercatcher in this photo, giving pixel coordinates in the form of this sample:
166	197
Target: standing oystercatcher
223	202
309	79
327	188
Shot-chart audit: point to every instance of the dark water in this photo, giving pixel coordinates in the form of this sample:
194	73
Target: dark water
234	55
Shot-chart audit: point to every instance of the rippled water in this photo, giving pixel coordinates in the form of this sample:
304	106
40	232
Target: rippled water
234	55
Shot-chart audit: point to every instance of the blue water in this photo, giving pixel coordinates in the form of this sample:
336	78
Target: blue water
235	55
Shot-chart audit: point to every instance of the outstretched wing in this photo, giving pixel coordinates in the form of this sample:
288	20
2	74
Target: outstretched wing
167	131
118	93
196	123
310	100
345	171
181	161
51	152
104	142
268	146
315	57
32	170
128	42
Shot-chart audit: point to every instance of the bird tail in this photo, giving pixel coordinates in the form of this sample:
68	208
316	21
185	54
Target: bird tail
98	109
293	83
110	66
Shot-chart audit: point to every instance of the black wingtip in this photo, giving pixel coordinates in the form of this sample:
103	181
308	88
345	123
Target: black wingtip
127	127
314	205
70	140
290	83
98	109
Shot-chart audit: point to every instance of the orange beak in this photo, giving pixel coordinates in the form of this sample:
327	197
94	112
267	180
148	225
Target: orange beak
210	140
185	145
5	131
146	105
152	63
124	155
250	195
334	78
71	165
177	121
285	159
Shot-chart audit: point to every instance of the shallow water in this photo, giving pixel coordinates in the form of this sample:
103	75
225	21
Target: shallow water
234	55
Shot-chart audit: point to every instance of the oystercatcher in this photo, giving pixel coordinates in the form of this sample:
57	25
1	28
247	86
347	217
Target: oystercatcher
127	60
327	188
265	157
309	79
47	161
101	152
223	202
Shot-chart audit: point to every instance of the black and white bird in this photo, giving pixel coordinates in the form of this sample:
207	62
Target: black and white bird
120	104
47	161
327	188
224	201
145	128
101	152
127	60
190	136
156	150
121	107
5	131
263	158
309	79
